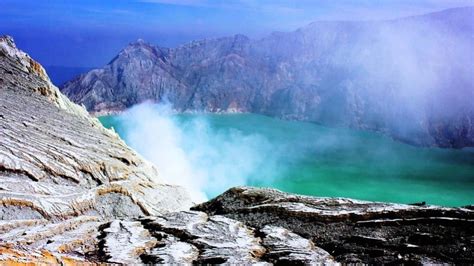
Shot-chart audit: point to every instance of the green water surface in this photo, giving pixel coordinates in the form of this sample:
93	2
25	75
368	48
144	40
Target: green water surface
321	161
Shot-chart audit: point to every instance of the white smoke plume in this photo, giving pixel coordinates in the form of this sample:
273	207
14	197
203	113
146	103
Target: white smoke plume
204	160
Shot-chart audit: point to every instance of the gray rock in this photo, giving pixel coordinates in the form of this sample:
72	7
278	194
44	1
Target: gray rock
125	241
62	174
258	226
352	230
60	162
378	75
287	247
218	239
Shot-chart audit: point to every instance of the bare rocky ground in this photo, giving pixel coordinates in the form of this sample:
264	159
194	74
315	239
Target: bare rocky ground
71	191
354	231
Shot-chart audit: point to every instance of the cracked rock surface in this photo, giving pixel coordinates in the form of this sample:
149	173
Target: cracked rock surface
353	230
239	228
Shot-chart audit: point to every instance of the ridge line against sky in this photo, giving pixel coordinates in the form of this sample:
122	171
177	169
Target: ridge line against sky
89	33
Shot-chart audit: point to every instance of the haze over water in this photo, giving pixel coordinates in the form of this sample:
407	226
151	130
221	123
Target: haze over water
212	152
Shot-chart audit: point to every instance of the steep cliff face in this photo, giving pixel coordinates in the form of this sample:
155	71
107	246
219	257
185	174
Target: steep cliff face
141	71
410	78
59	164
51	146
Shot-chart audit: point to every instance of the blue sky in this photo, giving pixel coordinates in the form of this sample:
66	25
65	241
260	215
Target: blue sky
90	33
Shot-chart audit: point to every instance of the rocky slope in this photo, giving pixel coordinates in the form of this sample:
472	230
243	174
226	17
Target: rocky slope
410	78
58	163
50	146
73	192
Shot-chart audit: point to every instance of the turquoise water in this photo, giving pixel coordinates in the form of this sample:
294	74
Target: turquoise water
315	160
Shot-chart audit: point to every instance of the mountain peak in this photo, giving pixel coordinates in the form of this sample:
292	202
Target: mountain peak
140	49
24	61
140	42
7	39
140	45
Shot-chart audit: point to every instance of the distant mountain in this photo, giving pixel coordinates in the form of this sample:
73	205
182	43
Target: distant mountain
411	78
61	74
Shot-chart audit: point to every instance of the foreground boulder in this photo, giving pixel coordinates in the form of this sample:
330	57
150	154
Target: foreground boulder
353	230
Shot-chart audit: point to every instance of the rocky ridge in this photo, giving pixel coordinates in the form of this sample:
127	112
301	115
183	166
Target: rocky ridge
72	192
377	75
52	147
355	231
